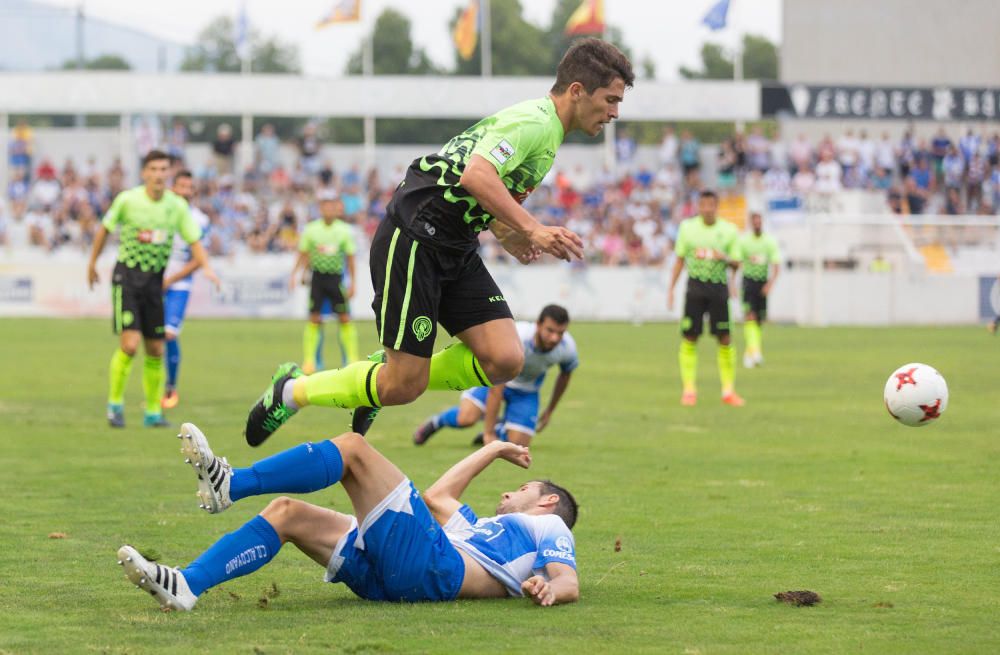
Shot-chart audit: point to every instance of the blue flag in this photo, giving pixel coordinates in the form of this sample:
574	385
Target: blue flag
715	19
241	36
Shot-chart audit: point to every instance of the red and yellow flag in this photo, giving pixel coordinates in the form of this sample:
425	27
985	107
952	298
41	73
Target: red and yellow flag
343	11
587	19
466	32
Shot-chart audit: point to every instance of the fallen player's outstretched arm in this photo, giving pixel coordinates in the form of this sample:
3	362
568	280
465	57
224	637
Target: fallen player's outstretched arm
443	496
563	586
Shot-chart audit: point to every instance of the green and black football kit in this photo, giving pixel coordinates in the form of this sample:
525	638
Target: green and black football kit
704	249
424	265
327	246
145	242
757	254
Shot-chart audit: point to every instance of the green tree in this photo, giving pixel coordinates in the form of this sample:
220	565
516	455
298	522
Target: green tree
760	61
392	48
518	47
103	62
215	51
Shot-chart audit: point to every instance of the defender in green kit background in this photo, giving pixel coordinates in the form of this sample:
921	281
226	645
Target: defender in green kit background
148	216
761	259
707	247
327	248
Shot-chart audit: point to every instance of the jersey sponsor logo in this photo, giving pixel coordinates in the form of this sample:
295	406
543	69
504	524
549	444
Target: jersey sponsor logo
327	249
497	299
151	236
490	530
563	544
558	554
430	229
503	151
758	259
422	327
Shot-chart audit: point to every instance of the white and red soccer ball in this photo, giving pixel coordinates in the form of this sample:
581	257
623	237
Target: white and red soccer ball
916	395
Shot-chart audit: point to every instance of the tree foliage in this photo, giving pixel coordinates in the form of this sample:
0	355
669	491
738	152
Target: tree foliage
760	61
393	52
215	51
103	62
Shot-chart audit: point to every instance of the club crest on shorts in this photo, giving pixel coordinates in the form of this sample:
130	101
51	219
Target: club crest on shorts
422	327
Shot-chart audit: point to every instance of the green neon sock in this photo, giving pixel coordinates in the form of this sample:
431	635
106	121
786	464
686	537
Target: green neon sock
153	377
310	341
457	369
118	372
349	341
688	360
751	334
355	385
727	368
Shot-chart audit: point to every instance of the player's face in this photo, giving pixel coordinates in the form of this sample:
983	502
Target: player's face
595	110
755	223
525	498
184	187
331	209
154	174
707	207
548	334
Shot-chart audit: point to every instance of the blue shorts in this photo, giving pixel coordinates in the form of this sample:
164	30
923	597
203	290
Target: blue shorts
520	413
174	305
399	553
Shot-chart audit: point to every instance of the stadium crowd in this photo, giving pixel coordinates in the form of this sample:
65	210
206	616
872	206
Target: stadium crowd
626	219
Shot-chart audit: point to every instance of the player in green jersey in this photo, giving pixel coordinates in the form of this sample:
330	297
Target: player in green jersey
148	216
707	246
761	259
424	263
327	248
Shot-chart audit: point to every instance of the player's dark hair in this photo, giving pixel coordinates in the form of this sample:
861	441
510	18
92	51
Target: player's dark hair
556	312
154	155
593	63
566	508
183	173
708	193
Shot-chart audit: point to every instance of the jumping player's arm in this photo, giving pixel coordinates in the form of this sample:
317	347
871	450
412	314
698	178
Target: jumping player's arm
775	256
562	383
493	400
350	271
443	496
563	586
481	179
199	261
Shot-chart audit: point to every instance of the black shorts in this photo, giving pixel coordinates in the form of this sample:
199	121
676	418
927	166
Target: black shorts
754	300
417	287
701	299
326	286
137	302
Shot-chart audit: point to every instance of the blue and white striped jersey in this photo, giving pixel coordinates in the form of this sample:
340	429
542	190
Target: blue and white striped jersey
181	254
512	547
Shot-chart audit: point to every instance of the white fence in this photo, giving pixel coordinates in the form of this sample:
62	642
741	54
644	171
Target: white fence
257	287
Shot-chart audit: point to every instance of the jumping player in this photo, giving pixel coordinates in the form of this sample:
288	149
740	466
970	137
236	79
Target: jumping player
424	264
761	260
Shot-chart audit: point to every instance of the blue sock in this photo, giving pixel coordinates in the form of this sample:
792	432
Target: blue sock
501	431
447	418
302	469
235	554
173	361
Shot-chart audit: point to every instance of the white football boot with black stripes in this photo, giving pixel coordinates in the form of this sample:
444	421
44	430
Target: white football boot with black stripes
163	583
214	473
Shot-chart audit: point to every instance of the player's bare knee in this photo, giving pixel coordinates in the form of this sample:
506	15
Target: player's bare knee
281	513
504	366
396	390
468	416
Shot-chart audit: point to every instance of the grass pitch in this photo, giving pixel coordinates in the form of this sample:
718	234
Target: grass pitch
810	486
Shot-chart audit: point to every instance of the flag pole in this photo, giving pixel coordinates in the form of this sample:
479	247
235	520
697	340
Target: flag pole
368	70
246	120
486	44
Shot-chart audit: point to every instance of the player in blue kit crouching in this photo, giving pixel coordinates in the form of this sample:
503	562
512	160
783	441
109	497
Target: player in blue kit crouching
398	545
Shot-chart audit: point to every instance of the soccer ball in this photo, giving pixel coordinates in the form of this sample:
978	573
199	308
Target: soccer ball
916	395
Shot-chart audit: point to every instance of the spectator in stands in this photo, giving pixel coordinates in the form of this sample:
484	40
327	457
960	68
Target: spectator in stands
905	153
310	145
866	153
828	174
940	145
847	152
690	153
625	146
669	148
758	150
726	170
915	198
881	180
922	174
974	178
953	168
953	202
968	145
21	148
177	138
223	150
885	154
801	153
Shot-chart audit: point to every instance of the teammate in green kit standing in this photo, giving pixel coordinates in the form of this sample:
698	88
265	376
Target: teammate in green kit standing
707	246
327	248
761	261
424	263
148	217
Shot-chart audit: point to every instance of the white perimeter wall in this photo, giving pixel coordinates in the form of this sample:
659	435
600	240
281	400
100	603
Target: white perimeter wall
36	285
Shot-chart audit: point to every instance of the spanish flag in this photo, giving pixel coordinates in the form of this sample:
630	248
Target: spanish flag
466	32
587	19
344	11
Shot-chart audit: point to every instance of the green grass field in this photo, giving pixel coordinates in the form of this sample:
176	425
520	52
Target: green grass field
811	486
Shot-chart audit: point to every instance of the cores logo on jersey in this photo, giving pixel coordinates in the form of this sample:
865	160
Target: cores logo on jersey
503	151
563	544
151	236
